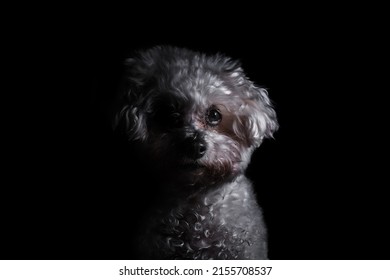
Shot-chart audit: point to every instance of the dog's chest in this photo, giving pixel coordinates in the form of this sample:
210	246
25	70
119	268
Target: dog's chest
215	226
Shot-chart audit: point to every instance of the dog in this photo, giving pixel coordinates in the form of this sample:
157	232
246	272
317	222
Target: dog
194	120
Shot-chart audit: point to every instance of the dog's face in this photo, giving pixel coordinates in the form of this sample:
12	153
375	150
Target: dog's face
194	115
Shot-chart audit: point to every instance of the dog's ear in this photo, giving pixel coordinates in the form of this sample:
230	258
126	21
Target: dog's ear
256	115
260	119
130	105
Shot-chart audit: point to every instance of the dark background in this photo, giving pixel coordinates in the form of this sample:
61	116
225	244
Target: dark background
320	181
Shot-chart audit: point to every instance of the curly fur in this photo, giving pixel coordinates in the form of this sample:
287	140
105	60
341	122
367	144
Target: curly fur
205	206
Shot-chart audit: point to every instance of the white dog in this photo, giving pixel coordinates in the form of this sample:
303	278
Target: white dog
195	120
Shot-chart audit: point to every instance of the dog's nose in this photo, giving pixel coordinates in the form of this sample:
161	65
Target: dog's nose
195	146
200	149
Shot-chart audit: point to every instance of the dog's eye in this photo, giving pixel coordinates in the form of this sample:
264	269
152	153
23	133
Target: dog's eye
175	115
167	116
213	117
174	119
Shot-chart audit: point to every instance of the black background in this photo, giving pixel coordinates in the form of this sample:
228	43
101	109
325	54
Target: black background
320	181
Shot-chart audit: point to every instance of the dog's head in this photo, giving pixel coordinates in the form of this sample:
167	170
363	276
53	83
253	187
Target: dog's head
194	114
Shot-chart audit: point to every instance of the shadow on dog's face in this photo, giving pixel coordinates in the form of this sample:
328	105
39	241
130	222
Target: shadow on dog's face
196	118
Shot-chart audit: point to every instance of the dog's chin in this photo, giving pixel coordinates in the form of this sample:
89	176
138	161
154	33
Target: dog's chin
183	170
185	163
199	172
190	167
